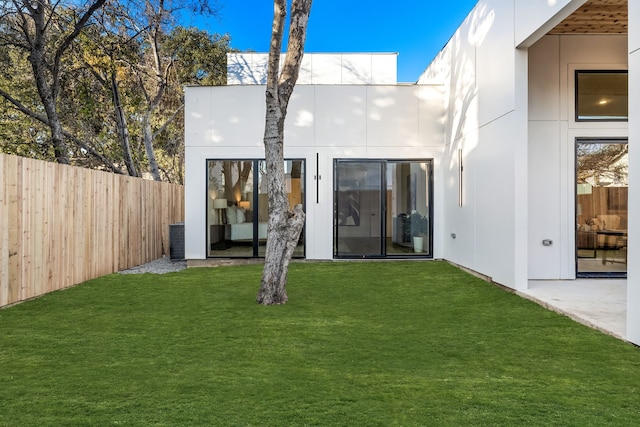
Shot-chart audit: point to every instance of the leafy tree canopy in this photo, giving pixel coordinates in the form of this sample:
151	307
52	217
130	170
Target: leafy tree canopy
98	83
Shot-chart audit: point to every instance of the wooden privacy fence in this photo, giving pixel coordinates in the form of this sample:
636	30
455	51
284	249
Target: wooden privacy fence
62	225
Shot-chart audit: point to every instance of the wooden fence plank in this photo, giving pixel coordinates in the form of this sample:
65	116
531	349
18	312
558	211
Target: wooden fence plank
62	225
4	232
15	276
38	220
25	198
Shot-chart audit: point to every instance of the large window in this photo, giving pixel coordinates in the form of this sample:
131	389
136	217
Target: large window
602	95
602	186
237	208
382	208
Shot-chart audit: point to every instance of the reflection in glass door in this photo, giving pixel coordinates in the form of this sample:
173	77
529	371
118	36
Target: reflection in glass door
383	208
408	229
237	206
601	207
294	187
358	220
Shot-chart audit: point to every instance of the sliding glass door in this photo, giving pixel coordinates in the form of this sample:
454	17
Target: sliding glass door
382	208
237	208
601	207
358	209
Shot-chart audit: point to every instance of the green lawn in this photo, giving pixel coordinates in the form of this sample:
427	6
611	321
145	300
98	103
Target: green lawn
358	344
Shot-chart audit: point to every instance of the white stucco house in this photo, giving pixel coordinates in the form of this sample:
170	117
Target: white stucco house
509	156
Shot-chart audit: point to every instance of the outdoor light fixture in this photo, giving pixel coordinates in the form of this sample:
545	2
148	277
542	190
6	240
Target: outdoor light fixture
460	177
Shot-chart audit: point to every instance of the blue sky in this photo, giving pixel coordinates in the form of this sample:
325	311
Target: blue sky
416	29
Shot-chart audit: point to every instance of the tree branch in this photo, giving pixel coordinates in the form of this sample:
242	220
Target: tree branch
20	107
43	119
279	15
168	121
300	10
94	153
23	23
77	29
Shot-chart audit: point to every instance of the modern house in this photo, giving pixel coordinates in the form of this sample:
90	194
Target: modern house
509	156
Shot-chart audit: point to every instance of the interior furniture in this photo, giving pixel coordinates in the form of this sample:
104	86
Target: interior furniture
217	238
604	233
244	231
239	225
402	230
220	205
613	241
587	240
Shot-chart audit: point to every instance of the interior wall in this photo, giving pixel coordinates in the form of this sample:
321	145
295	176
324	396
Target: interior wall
552	134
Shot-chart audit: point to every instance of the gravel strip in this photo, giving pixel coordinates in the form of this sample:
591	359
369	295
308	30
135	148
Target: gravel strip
159	266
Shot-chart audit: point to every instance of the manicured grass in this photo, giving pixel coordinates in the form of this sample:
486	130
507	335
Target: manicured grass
358	344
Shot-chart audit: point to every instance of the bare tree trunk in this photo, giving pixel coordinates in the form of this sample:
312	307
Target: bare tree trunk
284	226
60	148
147	138
47	92
35	23
283	229
153	100
121	124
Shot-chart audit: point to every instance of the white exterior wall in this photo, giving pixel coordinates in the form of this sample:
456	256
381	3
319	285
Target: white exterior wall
318	68
518	152
349	121
485	115
633	268
552	134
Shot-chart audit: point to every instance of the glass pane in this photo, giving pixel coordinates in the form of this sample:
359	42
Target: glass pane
294	186
263	208
602	95
358	207
294	181
408	208
601	207
229	209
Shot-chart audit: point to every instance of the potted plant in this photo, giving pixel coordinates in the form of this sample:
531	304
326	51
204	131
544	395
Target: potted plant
419	229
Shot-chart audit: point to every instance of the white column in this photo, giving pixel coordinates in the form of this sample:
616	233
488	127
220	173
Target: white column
521	176
633	268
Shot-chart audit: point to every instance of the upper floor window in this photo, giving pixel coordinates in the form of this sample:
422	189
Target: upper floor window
602	95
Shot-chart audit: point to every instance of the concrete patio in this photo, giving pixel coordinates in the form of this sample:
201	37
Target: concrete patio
597	303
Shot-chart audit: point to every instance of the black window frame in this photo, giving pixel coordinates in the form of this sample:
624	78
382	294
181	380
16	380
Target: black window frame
385	163
603	119
255	172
